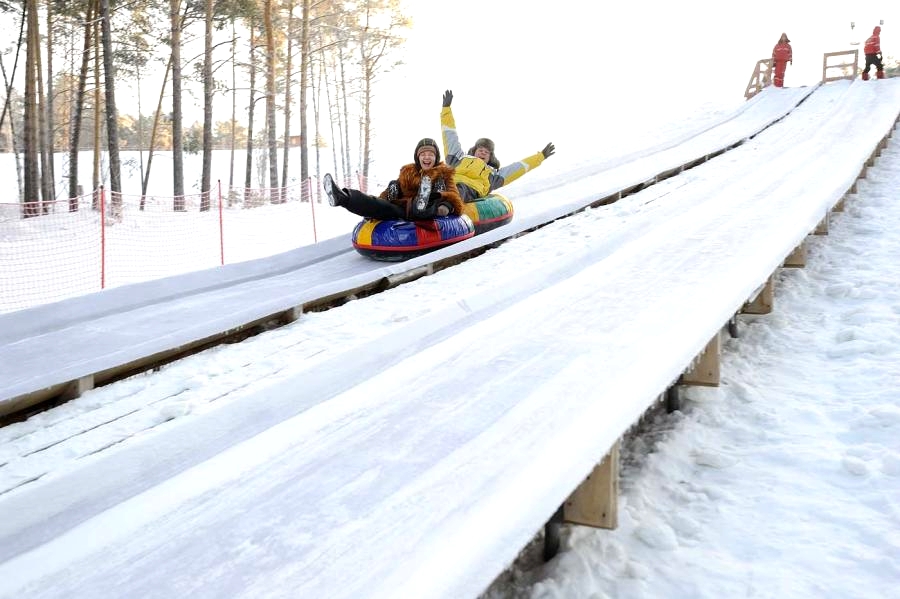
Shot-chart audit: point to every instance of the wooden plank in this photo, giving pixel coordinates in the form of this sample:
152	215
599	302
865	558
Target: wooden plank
595	501
822	227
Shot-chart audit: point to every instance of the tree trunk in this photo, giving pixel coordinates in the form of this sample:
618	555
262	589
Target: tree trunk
177	143
304	84
30	154
270	102
49	150
233	108
287	96
208	86
112	124
346	120
98	148
248	173
156	118
78	110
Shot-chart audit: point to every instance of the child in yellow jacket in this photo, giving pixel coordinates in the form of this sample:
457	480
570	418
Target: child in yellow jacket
478	172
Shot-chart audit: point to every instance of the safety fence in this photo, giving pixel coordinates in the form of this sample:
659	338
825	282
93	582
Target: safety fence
53	250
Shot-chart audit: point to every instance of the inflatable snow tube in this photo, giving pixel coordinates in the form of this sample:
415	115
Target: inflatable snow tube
396	240
489	212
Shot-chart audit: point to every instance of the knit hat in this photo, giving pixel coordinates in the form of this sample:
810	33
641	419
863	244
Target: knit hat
426	142
484	142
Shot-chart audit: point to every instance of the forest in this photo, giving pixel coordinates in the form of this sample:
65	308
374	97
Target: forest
273	74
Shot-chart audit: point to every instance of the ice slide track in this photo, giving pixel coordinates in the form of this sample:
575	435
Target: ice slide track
150	459
309	278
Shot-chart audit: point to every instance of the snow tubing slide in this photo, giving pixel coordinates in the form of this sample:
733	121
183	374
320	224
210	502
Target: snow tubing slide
396	240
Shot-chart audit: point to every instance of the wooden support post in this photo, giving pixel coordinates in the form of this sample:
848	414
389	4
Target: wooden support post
705	370
797	258
78	387
839	207
871	160
673	399
291	315
862	173
595	501
764	300
822	227
853	188
551	534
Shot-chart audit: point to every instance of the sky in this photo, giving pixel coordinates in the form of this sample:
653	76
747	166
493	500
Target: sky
517	68
783	481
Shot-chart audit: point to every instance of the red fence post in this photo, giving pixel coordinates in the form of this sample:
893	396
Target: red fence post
102	237
221	227
312	208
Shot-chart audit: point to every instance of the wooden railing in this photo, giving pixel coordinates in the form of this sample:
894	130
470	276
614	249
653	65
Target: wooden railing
762	77
847	70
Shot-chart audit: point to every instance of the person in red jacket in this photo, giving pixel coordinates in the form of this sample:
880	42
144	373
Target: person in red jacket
782	54
872	50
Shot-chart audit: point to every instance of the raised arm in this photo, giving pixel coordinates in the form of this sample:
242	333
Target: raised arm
453	151
509	173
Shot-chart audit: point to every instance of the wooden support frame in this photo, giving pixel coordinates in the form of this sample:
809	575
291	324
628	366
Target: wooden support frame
841	204
848	69
764	300
761	77
822	227
596	500
706	369
797	258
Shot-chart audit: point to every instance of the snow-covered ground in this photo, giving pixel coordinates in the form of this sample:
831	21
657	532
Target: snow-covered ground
782	482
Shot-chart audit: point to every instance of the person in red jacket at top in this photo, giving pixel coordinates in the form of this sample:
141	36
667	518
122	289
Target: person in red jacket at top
781	55
872	50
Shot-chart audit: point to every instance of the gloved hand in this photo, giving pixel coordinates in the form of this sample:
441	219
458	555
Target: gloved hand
548	150
448	97
443	209
434	196
393	189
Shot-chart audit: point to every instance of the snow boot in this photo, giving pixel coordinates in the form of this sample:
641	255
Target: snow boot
420	203
879	74
865	75
336	196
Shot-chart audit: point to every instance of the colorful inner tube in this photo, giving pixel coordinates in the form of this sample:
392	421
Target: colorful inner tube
395	240
489	212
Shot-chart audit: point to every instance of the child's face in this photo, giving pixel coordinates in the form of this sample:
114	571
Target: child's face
427	158
483	153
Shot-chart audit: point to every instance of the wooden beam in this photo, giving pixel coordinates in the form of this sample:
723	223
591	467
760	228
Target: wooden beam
705	369
839	207
822	227
797	258
764	300
596	500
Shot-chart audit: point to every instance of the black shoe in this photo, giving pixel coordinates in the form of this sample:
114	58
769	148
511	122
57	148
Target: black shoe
334	193
420	204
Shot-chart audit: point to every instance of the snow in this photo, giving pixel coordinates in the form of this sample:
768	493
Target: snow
412	442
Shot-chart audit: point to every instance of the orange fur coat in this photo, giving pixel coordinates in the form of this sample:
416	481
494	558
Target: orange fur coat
411	176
